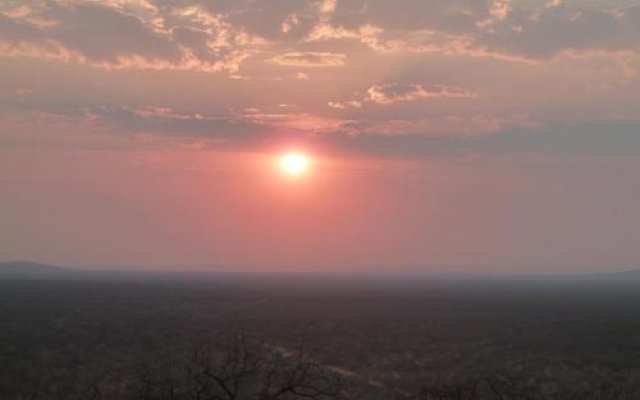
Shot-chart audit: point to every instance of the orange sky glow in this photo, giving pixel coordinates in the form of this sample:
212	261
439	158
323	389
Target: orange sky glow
330	135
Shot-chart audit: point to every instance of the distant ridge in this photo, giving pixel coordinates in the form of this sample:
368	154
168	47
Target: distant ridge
633	273
31	270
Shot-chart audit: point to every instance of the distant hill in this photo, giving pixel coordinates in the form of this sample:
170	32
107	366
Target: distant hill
633	274
31	270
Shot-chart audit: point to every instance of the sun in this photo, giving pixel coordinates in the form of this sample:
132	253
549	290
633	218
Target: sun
294	163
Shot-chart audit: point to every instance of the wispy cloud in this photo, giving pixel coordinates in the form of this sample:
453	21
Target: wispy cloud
394	93
310	59
398	93
112	35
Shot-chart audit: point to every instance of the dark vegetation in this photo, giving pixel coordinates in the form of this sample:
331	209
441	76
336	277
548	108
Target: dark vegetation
318	338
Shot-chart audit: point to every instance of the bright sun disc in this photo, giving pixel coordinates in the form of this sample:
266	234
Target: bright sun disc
294	163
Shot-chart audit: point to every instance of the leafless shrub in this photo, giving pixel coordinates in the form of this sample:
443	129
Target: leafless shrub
240	370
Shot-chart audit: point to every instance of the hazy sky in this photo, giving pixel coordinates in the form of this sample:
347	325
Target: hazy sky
457	135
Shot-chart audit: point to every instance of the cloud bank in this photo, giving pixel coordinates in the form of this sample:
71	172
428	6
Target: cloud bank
350	73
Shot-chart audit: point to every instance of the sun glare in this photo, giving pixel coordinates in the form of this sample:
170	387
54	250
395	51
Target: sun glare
294	164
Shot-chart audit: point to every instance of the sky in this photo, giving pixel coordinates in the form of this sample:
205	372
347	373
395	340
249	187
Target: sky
444	136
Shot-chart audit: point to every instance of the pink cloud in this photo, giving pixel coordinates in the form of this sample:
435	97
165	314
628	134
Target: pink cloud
310	59
392	93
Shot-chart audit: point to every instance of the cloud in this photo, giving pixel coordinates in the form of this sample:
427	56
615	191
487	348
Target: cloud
290	23
345	105
353	68
104	34
453	126
153	121
221	35
254	128
498	11
327	7
504	29
392	93
16	93
311	59
167	121
115	35
559	139
366	34
548	31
